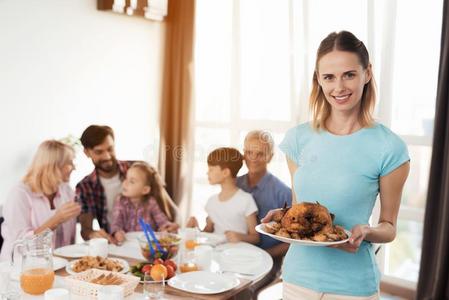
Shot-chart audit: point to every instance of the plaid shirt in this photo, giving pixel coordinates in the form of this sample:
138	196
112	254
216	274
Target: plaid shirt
90	194
126	215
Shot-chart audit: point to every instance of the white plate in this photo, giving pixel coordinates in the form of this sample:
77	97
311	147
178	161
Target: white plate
202	282
240	260
260	229
209	238
133	235
240	256
59	263
124	263
72	251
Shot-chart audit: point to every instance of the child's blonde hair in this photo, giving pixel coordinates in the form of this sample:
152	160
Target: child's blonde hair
157	190
44	174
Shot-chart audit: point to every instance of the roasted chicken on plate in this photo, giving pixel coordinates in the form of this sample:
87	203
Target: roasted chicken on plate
306	221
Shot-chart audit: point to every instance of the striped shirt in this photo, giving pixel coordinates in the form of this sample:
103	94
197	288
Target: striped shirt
91	195
126	215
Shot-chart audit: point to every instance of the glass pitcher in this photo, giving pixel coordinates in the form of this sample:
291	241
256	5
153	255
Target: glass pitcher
37	274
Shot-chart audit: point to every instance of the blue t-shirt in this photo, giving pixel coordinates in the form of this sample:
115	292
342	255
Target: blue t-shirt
341	173
269	193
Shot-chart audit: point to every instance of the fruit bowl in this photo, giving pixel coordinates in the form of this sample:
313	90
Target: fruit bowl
169	243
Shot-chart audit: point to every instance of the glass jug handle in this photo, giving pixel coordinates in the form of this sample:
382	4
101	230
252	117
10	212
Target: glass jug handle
17	245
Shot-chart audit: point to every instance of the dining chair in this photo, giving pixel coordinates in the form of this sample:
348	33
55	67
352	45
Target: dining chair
1	238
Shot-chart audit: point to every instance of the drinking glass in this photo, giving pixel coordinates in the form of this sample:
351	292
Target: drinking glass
152	290
190	238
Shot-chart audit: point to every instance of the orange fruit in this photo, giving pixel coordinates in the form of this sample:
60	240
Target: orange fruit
158	272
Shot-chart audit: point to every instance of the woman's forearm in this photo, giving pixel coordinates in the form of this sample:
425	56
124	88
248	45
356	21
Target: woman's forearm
384	232
51	224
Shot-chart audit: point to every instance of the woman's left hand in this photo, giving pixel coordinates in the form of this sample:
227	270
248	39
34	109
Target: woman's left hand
358	234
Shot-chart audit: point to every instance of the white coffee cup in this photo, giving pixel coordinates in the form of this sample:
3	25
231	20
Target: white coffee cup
111	292
57	294
98	247
203	256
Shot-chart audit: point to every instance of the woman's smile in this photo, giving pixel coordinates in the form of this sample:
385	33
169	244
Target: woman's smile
342	99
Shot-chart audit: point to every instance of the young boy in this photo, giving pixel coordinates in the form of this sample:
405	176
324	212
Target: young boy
232	212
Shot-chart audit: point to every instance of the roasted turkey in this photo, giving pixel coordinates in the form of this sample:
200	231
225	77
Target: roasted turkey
309	221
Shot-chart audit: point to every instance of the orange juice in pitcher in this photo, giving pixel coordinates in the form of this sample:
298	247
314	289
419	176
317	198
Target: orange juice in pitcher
37	274
37	281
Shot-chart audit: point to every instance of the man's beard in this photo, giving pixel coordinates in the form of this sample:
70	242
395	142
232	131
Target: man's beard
107	166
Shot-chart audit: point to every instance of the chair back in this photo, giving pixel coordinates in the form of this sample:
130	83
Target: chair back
1	237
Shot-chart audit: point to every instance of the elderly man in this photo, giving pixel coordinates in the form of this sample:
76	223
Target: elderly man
268	191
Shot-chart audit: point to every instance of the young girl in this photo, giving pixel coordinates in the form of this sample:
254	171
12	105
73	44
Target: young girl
142	197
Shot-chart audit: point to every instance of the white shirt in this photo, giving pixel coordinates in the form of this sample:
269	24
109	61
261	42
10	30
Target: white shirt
230	215
112	188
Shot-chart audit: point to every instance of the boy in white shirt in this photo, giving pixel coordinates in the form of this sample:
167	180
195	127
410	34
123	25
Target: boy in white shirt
232	212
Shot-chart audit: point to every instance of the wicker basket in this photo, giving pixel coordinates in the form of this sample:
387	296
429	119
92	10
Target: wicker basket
79	283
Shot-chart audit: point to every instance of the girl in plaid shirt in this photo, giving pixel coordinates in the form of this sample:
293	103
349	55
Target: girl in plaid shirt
142	197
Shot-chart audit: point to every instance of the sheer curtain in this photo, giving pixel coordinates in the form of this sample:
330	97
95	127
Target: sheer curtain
254	62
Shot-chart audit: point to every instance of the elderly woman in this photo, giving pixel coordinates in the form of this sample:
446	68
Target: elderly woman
43	199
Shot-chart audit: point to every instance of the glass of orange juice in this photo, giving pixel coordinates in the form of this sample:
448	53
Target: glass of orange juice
190	238
188	267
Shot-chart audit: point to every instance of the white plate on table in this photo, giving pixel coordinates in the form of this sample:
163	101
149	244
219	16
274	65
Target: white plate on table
260	229
133	235
240	260
213	239
240	255
59	263
124	264
203	282
72	251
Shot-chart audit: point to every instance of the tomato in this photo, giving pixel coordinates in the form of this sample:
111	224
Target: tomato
170	271
171	263
146	268
158	261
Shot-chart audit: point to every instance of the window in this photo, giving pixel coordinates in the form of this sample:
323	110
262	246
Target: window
240	70
415	69
254	61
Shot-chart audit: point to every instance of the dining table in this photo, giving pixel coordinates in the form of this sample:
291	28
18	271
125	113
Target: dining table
246	262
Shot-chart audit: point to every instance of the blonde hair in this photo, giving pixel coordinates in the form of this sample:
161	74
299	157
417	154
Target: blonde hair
44	174
157	190
321	109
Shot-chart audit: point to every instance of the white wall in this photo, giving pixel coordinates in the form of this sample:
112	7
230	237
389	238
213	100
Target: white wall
65	65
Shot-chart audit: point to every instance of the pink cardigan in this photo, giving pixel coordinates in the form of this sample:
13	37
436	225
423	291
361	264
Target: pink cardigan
24	211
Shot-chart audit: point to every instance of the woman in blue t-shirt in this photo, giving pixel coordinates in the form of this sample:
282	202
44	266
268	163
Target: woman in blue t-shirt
343	159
